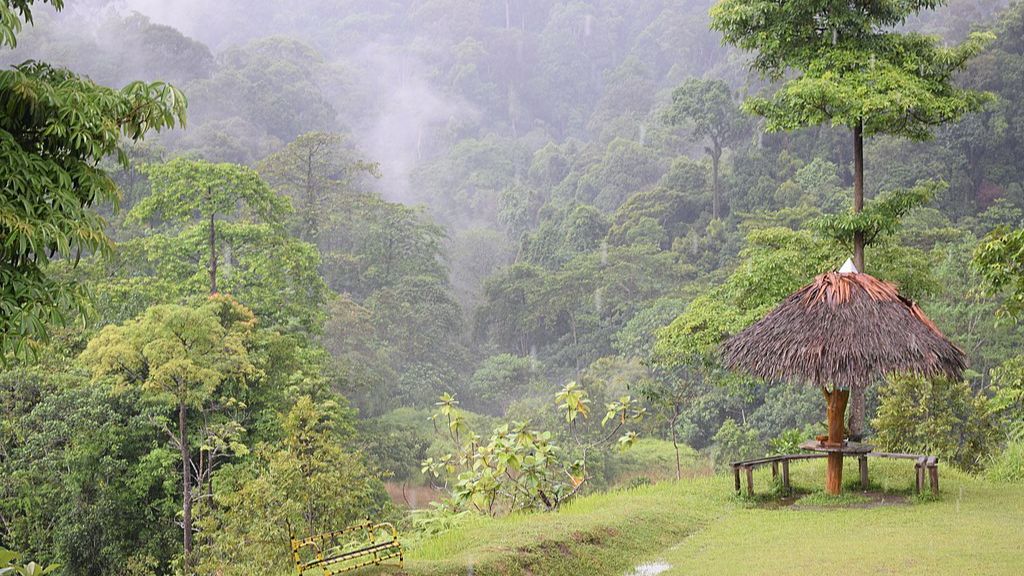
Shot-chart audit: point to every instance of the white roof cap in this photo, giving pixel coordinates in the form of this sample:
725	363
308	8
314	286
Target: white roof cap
849	268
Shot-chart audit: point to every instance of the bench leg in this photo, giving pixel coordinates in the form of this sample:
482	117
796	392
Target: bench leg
785	476
933	473
775	470
736	472
750	481
863	463
918	478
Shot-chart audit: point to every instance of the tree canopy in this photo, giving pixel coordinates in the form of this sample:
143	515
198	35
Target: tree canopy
56	129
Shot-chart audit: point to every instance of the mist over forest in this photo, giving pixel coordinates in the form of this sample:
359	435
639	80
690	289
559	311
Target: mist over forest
429	260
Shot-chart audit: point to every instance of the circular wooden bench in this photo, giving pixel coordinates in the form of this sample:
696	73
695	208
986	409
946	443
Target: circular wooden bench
923	466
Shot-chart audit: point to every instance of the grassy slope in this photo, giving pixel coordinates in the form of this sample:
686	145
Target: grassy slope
698	527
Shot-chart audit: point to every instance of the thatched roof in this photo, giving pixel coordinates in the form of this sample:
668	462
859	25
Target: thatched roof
846	329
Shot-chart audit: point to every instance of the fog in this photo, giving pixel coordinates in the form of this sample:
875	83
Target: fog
417	261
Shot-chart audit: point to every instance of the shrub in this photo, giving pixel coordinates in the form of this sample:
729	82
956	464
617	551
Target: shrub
1009	465
938	417
735	442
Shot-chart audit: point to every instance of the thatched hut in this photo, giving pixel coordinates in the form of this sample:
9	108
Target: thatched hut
843	330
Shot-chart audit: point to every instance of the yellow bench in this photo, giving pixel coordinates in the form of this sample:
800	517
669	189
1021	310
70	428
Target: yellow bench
363	544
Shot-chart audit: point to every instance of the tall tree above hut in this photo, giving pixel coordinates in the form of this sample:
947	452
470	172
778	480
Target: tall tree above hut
847	65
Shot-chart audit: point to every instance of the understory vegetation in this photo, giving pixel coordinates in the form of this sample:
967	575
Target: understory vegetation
465	266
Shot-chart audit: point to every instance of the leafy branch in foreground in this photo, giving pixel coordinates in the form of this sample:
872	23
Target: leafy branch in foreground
10	565
55	129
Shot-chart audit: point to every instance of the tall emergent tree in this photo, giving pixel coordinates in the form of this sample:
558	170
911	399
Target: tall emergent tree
184	189
846	63
55	128
707	106
182	358
314	170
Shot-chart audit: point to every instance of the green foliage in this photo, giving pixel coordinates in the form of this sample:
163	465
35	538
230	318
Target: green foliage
706	106
315	170
438	519
263	92
377	244
518	467
775	262
625	168
880	218
788	442
177	354
394	448
854	69
1008	389
185	190
502	379
1000	263
419	322
735	442
10	565
786	408
572	222
815	185
275	275
515	469
671	210
937	417
57	128
14	12
309	481
185	360
1007	466
84	474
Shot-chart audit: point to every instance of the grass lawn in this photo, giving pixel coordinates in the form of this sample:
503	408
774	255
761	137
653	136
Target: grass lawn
697	526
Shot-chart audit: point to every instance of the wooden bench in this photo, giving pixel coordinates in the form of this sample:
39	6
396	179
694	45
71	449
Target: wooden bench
922	465
345	550
747	467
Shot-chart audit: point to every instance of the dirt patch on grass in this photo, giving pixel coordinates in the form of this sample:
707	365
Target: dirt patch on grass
819	501
859	500
597	538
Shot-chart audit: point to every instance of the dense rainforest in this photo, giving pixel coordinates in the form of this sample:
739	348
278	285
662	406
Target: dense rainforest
391	246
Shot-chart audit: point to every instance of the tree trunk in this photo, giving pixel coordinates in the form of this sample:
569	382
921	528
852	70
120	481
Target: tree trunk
186	486
213	255
858	408
675	446
716	192
837	400
857	401
858	193
312	232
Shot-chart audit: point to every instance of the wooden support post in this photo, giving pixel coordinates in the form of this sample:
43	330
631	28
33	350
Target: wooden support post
919	474
933	474
785	476
775	470
863	463
736	472
837	400
750	480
